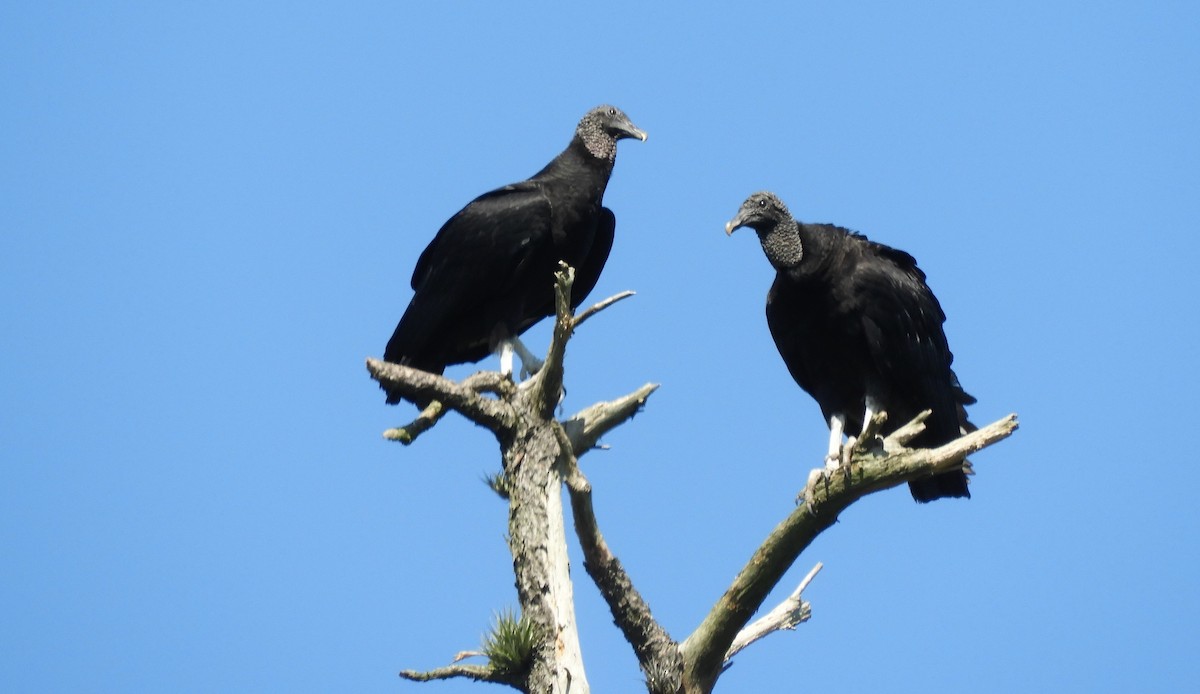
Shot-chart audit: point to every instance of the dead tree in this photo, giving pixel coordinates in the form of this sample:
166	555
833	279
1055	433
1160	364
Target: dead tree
538	651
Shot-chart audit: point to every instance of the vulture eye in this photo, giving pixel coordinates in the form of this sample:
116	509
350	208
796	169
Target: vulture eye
762	203
612	111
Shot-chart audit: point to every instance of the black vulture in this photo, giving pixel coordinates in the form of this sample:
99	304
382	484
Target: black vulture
860	331
488	274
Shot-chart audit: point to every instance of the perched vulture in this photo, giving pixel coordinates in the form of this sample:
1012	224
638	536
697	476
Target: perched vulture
488	275
861	332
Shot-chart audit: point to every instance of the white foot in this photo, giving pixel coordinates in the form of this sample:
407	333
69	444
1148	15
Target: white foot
815	477
833	461
847	453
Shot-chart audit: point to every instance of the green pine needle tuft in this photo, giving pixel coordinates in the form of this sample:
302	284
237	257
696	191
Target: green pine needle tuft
509	645
498	483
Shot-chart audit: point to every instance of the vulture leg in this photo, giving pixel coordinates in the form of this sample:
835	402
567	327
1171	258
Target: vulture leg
873	407
530	364
506	358
837	426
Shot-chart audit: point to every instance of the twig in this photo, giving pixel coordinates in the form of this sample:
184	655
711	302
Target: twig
479	673
869	433
585	427
863	442
899	438
424	422
905	464
786	615
547	384
599	306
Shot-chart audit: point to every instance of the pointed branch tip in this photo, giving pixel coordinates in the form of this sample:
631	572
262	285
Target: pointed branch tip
600	306
789	614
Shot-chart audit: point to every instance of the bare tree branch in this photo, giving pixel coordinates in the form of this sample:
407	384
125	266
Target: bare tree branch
869	471
867	439
424	422
546	386
656	652
652	645
600	306
415	385
586	427
480	382
479	673
786	615
900	437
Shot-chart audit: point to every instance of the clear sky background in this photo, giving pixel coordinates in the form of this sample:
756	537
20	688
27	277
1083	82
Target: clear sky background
209	215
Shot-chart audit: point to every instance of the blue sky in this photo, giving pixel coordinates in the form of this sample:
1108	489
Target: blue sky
210	215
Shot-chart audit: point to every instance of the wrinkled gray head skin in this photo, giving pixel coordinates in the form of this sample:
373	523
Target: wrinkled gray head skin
760	212
601	127
766	214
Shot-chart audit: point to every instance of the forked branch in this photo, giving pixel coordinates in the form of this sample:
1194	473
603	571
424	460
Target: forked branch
869	471
416	385
789	614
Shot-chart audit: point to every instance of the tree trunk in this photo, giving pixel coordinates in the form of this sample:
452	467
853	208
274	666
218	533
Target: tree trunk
538	541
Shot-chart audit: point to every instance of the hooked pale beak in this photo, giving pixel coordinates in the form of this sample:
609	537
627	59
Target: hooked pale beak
634	131
736	223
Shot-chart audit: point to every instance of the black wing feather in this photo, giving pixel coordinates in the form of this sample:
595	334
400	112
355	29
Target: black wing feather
902	323
588	272
465	278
